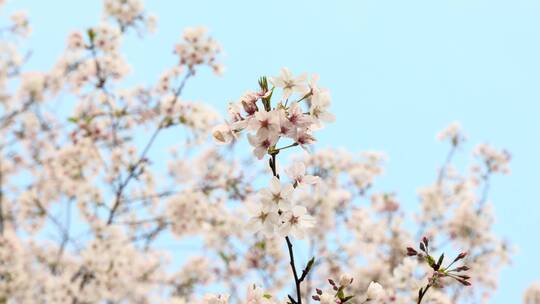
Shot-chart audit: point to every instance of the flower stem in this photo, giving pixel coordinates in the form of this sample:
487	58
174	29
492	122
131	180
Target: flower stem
295	273
297	281
287	147
422	292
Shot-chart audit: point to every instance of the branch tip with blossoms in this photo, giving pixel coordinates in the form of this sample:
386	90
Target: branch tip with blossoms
439	272
268	124
339	294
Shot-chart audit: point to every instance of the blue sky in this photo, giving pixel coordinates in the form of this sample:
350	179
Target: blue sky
399	71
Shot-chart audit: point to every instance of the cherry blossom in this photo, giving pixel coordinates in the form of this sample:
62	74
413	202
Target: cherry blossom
263	219
296	222
278	195
374	292
320	102
256	295
261	145
289	83
532	294
297	173
265	124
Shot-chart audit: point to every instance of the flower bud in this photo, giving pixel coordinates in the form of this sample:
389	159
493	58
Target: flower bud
375	291
461	256
345	280
327	299
222	134
249	107
411	251
425	241
462	268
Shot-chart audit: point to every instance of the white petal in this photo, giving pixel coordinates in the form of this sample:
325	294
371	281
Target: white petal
310	179
327	117
275	185
287	191
299	210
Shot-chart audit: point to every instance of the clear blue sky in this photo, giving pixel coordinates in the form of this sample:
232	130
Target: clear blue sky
399	71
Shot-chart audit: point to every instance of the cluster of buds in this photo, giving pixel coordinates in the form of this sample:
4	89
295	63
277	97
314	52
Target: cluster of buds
495	160
338	296
439	272
374	293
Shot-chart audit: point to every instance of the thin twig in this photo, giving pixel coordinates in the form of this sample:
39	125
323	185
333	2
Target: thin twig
133	169
295	274
421	293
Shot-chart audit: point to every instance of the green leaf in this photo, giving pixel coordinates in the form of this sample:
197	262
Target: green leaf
261	245
91	34
224	257
309	264
439	262
340	294
430	260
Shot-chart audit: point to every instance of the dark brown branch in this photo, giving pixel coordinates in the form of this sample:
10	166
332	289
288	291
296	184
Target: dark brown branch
297	281
421	293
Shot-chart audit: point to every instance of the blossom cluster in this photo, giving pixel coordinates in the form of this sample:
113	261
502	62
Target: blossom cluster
374	294
495	161
440	272
199	49
129	13
277	212
291	118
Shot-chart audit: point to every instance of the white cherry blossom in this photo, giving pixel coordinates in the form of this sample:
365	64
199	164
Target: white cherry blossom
261	144
264	218
375	291
277	195
320	102
297	172
296	222
289	83
265	124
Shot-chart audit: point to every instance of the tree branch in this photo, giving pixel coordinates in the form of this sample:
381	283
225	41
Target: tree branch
297	281
142	158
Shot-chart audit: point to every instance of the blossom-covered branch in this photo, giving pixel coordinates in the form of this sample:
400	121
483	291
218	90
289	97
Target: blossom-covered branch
95	208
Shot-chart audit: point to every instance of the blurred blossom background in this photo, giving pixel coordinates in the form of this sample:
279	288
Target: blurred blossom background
399	71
